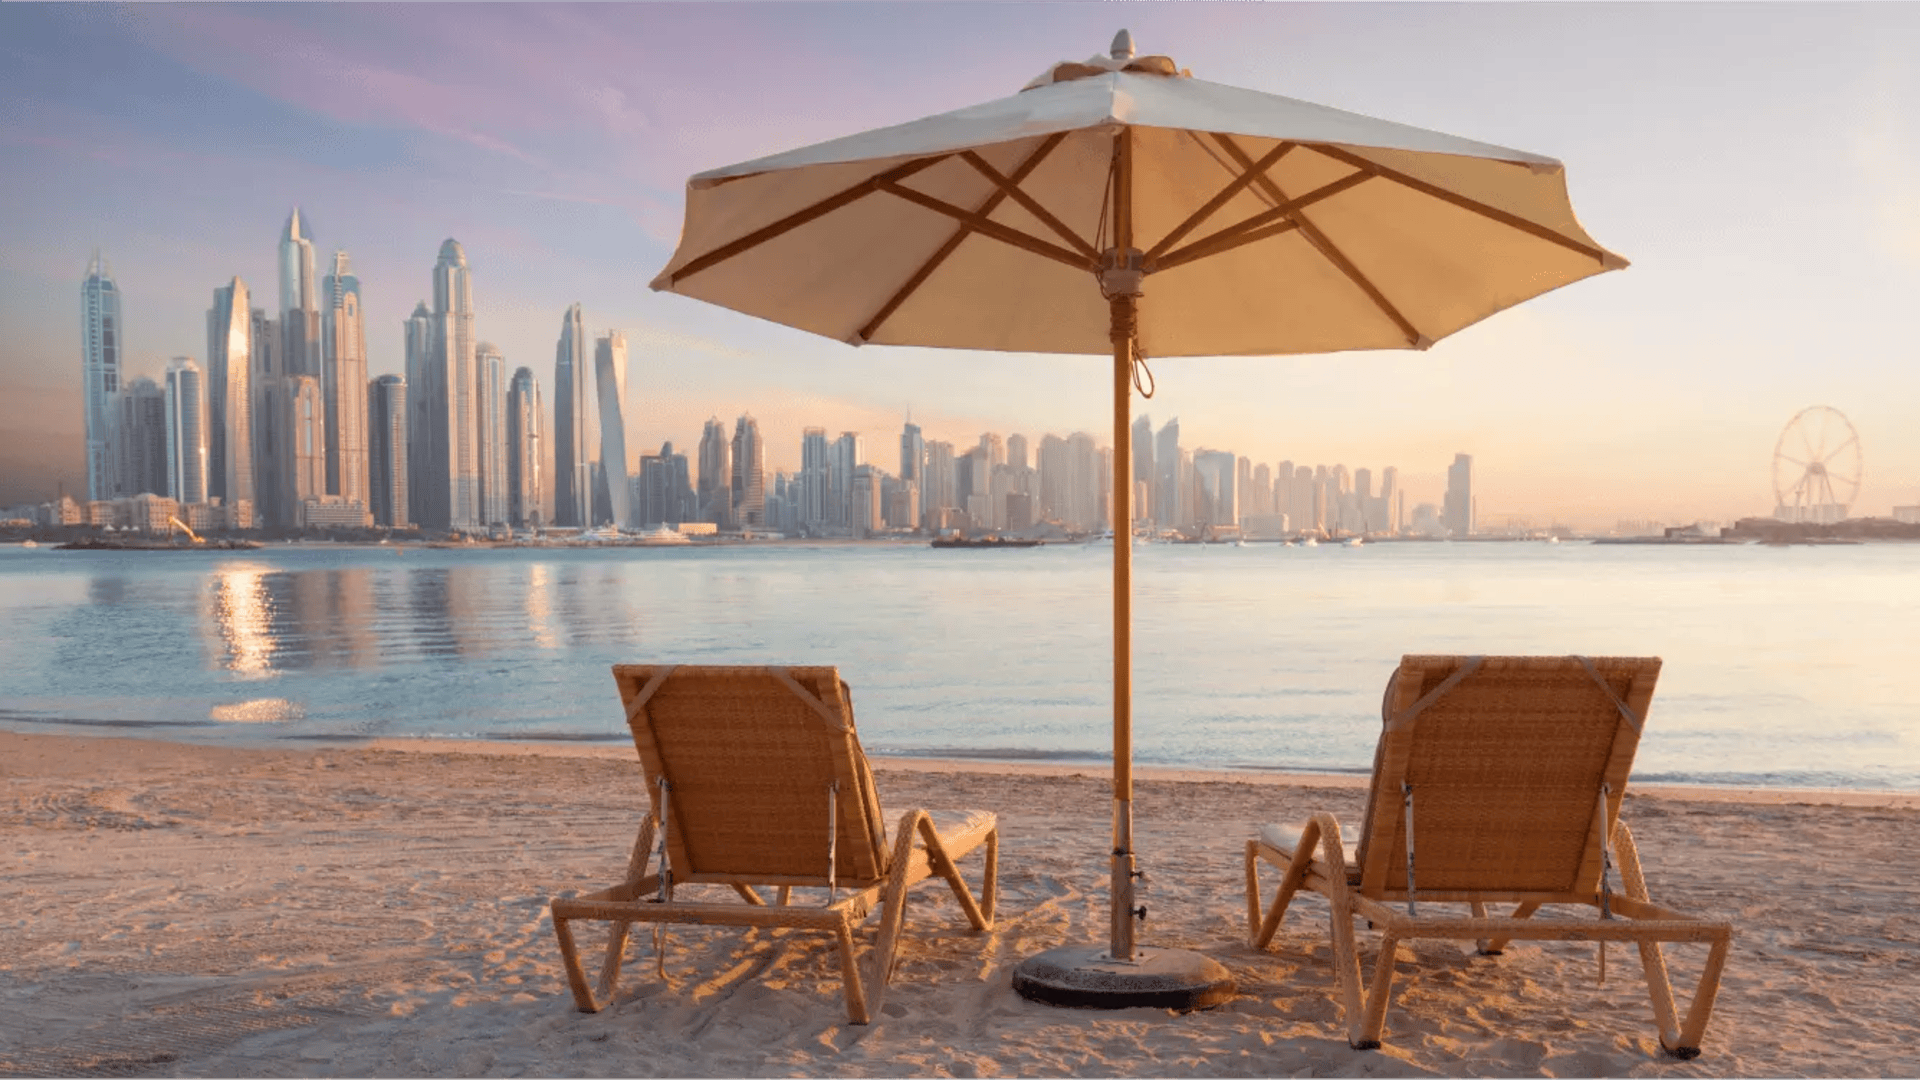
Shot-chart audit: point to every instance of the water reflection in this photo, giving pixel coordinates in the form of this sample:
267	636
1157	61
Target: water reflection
540	606
242	612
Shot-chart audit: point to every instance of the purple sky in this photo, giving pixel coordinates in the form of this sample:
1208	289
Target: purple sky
1760	164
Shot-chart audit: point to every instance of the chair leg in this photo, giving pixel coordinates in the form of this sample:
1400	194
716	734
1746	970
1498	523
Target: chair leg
1365	1029
1695	1029
1346	970
1496	946
980	916
850	975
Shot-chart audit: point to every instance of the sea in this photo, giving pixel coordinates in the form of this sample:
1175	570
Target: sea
1789	667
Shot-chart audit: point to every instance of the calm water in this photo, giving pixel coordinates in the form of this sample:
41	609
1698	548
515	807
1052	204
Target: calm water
1784	666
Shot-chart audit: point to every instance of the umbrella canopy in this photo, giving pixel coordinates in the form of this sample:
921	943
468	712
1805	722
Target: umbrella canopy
1047	221
1267	225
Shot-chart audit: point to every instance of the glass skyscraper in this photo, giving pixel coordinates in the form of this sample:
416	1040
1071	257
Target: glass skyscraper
186	432
572	473
610	377
524	450
344	375
100	345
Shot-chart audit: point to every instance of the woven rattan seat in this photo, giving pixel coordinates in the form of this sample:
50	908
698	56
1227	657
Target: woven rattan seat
756	778
1509	772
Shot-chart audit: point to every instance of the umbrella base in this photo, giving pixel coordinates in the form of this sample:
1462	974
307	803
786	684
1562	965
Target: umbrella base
1085	977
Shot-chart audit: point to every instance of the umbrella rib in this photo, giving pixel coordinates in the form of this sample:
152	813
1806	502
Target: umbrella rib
1245	232
1327	248
800	217
960	232
1239	184
985	227
1012	190
1513	221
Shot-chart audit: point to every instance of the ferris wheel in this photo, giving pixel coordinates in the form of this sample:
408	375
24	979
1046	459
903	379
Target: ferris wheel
1816	467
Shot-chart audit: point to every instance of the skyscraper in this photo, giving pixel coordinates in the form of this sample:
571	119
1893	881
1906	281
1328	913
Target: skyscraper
913	452
748	476
343	340
490	406
299	315
1217	473
453	406
1169	499
572	486
847	453
141	441
1457	512
387	451
419	337
100	345
272	454
230	396
715	490
524	451
610	380
306	424
1143	472
186	432
811	514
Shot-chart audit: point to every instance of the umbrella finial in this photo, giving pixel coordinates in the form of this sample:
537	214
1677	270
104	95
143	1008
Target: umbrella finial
1122	46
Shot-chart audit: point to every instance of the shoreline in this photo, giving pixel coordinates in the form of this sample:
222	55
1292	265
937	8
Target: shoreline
613	749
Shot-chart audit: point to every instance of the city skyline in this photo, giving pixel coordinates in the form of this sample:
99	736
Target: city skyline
1654	393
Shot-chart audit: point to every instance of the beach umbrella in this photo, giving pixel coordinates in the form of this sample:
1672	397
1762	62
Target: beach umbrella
1120	206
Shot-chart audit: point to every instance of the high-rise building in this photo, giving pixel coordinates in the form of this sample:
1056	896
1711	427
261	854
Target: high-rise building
747	478
453	405
490	435
417	428
716	474
1169	498
101	342
1143	472
306	421
939	492
299	312
272	435
913	452
1017	451
186	432
666	495
811	513
343	340
1217	473
572	426
610	379
1457	513
1390	500
524	451
847	453
230	396
387	451
141	442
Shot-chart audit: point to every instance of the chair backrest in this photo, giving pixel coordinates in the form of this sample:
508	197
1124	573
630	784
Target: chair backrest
1506	757
752	756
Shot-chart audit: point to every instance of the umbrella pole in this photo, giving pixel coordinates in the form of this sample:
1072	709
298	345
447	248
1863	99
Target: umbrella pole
1124	310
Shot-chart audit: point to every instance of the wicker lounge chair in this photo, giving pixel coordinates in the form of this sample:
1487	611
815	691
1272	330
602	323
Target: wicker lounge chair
1496	780
756	778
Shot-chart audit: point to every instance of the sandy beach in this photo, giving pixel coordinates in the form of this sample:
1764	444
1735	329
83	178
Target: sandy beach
175	910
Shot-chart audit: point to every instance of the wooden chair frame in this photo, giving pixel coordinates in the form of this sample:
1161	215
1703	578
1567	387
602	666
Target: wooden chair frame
920	851
1319	863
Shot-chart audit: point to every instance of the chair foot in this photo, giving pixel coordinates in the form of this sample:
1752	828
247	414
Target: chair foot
1364	1044
1492	952
1684	1053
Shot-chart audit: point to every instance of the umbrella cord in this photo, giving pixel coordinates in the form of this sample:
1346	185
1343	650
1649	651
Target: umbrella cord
1140	368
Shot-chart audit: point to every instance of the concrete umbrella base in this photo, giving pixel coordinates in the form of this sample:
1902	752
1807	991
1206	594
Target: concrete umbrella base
1084	976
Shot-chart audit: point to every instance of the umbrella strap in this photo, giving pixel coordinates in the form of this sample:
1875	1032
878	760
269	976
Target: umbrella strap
1140	368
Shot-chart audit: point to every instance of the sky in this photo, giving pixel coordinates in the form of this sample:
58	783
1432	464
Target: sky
1759	164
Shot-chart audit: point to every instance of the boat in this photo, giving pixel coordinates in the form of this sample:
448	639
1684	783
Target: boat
662	537
1309	542
1355	542
983	542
